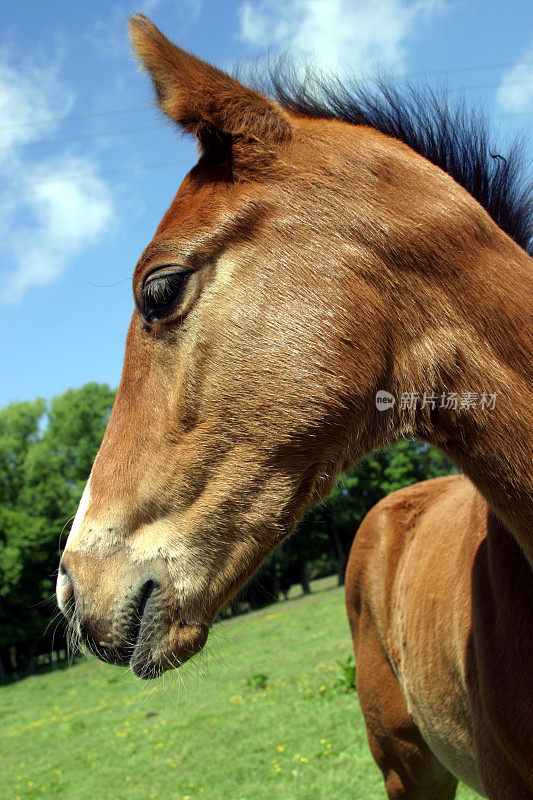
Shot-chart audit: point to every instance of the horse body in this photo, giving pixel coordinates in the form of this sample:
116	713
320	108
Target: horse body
305	264
439	600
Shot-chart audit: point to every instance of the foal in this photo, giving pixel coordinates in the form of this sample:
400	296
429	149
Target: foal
440	601
314	257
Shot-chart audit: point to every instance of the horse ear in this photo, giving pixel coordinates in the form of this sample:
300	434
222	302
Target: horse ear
201	98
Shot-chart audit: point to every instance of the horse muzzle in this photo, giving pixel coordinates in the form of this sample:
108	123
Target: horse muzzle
126	614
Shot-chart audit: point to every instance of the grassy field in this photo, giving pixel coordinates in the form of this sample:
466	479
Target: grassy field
258	716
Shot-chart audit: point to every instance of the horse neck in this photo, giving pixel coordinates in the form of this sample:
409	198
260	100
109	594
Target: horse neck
481	341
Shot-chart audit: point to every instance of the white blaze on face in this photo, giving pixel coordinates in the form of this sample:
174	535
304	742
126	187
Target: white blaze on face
63	585
80	514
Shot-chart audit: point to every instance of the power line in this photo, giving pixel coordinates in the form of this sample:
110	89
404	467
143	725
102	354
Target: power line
82	137
508	115
35	123
405	75
513	114
473	68
141	167
79	177
149	128
489	85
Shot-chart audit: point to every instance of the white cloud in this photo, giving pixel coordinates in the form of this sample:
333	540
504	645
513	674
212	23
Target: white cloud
515	92
56	220
45	225
148	7
340	35
28	95
185	8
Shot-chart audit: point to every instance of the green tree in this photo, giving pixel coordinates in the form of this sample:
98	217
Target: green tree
413	461
46	455
366	483
25	584
19	430
56	468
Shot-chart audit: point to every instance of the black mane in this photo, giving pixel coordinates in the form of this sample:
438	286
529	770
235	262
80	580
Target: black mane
449	135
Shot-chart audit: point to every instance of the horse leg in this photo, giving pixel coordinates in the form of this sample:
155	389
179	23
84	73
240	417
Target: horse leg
410	770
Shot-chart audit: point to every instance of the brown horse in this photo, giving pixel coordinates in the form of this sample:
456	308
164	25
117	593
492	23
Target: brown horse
322	249
440	600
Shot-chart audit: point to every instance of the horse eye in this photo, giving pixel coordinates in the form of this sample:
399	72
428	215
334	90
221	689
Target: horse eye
162	294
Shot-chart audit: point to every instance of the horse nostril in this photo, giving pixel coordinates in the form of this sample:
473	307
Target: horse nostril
113	639
145	594
65	592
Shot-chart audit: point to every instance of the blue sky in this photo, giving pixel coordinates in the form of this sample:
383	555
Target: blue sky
88	167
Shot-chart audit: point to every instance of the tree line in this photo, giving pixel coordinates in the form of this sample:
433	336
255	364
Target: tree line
46	454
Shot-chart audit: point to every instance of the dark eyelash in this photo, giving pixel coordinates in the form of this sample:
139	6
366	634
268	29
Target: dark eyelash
159	290
161	294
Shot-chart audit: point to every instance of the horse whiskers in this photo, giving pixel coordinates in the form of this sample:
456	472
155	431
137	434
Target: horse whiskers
52	599
61	533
